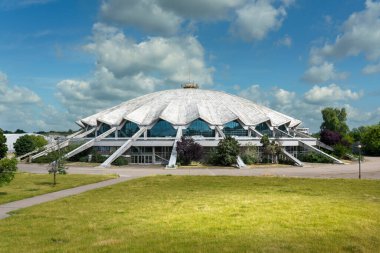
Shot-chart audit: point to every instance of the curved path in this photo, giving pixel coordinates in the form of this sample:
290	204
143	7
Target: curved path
370	170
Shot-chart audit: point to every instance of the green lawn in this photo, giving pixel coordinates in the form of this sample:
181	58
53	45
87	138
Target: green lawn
204	214
26	185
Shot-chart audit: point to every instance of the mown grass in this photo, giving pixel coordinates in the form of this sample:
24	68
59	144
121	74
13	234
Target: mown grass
204	214
26	185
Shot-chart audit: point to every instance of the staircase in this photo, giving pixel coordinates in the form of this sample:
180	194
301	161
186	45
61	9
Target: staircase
319	151
291	157
90	143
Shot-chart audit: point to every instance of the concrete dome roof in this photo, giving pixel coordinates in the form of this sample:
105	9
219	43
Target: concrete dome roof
182	106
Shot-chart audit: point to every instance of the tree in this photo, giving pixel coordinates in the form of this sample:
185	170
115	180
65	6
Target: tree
24	145
28	143
8	168
3	145
188	150
270	149
334	119
371	140
39	141
330	137
20	131
227	151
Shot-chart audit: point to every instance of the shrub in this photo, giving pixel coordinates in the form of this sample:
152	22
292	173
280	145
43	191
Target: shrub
341	150
120	161
188	150
53	156
8	168
313	157
330	137
226	152
250	155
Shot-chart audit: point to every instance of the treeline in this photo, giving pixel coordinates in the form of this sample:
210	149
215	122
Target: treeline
335	132
51	132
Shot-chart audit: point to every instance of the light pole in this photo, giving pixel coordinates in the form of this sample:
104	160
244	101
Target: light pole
360	158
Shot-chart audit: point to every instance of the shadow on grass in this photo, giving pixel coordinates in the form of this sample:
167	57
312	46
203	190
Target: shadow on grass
3	193
46	183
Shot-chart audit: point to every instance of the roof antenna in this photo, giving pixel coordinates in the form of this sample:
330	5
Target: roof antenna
190	84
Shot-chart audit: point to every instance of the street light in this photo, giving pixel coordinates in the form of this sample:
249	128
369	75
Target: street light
360	158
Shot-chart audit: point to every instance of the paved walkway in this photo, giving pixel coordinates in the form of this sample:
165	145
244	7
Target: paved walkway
370	170
12	206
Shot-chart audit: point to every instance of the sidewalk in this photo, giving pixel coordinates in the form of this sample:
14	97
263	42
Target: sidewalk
12	206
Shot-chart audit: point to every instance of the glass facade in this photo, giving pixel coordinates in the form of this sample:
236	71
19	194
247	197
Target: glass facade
162	129
264	129
104	128
234	128
128	130
199	128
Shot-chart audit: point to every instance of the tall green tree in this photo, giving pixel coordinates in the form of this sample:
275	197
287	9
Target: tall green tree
227	151
3	144
371	140
334	119
28	143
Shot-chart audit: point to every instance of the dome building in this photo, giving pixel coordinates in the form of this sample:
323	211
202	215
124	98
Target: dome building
146	129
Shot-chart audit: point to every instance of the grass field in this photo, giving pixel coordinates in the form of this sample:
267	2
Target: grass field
204	214
26	185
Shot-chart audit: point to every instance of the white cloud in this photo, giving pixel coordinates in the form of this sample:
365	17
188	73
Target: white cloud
145	14
285	41
284	97
256	19
330	94
322	73
371	69
307	108
15	95
15	4
255	94
361	34
22	108
127	69
249	19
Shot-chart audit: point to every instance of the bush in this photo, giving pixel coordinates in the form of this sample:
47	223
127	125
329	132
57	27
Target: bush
120	161
8	168
341	150
188	150
250	155
226	152
313	157
53	156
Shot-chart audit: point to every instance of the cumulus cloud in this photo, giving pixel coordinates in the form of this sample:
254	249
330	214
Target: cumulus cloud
307	107
331	93
20	107
126	69
15	95
322	73
371	69
254	93
360	34
250	20
256	19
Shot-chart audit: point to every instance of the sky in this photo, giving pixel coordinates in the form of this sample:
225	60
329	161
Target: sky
61	60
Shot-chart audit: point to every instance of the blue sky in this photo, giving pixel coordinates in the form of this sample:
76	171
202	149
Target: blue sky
63	60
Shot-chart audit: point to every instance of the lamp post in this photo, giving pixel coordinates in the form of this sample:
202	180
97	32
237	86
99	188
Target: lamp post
360	158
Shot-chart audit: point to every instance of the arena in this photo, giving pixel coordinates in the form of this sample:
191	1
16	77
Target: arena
146	129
